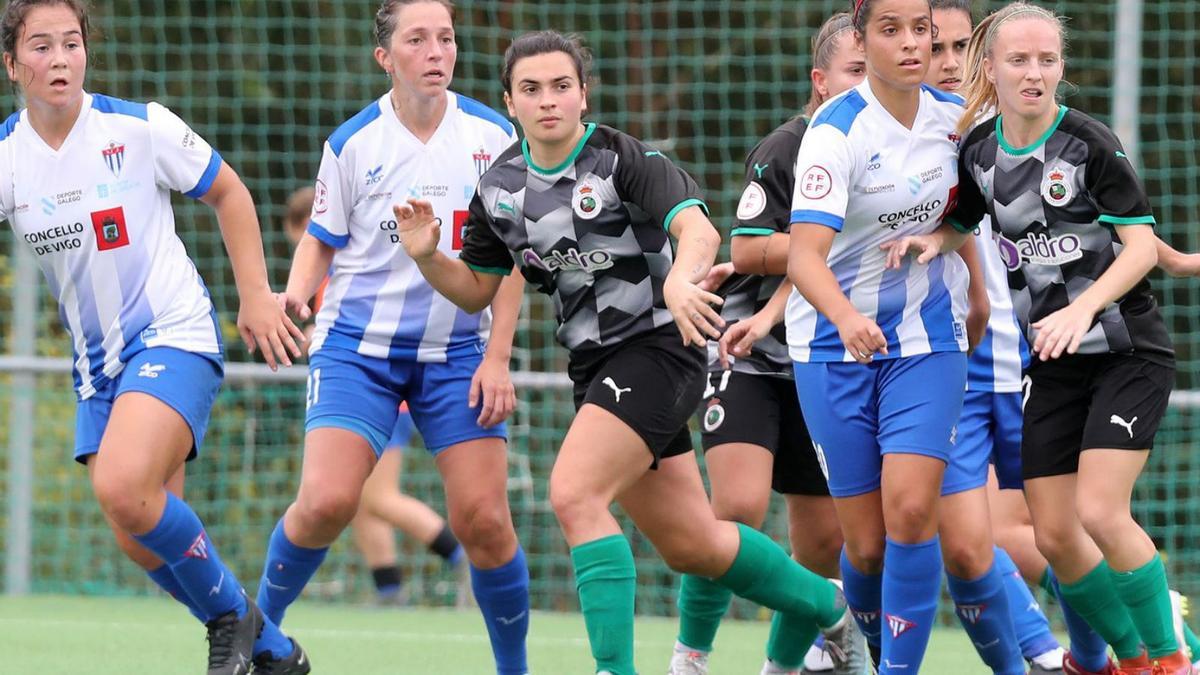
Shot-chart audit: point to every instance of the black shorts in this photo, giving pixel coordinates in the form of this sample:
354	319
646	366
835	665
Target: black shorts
1090	401
652	382
765	411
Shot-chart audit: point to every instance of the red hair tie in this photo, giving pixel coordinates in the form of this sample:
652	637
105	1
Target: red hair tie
857	7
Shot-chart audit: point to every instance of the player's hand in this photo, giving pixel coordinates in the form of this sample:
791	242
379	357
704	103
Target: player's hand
493	383
264	325
294	306
862	337
977	320
1062	331
924	246
420	231
693	310
740	337
717	274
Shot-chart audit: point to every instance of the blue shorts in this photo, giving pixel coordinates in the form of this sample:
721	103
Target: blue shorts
988	431
362	394
858	413
186	381
401	433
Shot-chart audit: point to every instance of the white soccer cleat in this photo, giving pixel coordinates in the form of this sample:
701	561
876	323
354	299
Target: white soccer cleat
688	661
1179	609
817	662
845	644
769	668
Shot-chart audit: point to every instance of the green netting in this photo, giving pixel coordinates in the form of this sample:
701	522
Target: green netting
267	80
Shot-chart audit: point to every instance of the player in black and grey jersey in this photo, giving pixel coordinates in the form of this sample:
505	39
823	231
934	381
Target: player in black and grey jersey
752	430
1076	233
584	212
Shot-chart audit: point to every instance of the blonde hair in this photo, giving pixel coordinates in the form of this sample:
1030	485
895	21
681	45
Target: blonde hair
980	93
824	46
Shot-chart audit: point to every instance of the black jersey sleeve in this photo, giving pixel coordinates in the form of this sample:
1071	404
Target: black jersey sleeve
970	205
766	203
483	250
644	176
1111	181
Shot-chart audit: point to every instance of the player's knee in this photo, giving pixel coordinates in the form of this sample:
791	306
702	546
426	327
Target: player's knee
866	553
967	557
747	509
1103	522
817	548
1055	544
127	505
326	510
484	528
909	518
573	506
683	556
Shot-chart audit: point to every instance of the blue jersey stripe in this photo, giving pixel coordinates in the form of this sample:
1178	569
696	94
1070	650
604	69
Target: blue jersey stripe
352	126
893	296
93	333
10	125
357	305
108	104
476	109
414	316
207	178
826	342
937	313
327	237
841	113
981	367
819	217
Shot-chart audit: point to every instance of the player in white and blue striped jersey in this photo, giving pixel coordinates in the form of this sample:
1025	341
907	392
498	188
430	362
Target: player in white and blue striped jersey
85	182
878	339
384	336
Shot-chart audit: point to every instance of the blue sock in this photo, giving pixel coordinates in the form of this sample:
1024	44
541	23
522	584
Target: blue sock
179	540
1087	647
912	581
983	610
1033	629
286	571
165	578
864	595
503	597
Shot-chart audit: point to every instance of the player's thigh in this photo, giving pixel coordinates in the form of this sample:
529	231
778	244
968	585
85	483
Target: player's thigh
437	401
964	525
840	407
740	423
385	477
374	538
355	394
739	475
600	457
814	531
475	476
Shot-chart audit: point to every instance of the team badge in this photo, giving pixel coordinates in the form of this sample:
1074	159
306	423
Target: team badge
587	202
714	417
483	160
109	225
320	199
114	157
1057	187
198	549
753	202
898	626
815	182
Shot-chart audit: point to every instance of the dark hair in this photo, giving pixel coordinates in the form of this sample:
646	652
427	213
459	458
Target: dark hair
862	11
546	42
824	46
385	17
15	12
299	207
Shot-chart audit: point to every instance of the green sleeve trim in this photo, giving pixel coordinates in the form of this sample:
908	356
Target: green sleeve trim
498	271
752	232
959	226
681	206
1133	220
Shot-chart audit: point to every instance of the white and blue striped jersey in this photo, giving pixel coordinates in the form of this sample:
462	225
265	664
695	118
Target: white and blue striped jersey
97	214
870	179
377	303
997	363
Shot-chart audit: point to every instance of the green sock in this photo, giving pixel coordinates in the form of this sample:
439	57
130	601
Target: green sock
1193	643
1094	597
1144	592
702	605
789	640
606	580
1046	582
762	572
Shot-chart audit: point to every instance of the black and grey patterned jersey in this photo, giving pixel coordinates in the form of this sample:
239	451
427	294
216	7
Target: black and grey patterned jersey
764	209
591	232
1054	206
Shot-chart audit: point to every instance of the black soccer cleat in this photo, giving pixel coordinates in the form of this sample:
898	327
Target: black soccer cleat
295	663
231	641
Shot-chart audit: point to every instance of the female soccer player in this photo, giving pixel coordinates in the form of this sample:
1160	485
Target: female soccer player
383	508
383	336
585	211
878	349
148	359
753	435
1075	229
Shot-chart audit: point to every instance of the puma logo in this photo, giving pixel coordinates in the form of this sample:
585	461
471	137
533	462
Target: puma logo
617	391
1116	419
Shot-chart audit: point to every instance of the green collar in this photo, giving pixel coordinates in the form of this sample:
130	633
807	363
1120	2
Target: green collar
588	129
1062	112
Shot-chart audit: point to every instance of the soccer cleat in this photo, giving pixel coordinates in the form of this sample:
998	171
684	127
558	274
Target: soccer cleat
1173	664
231	641
770	668
1138	665
295	663
1048	662
1071	667
844	642
685	661
816	661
